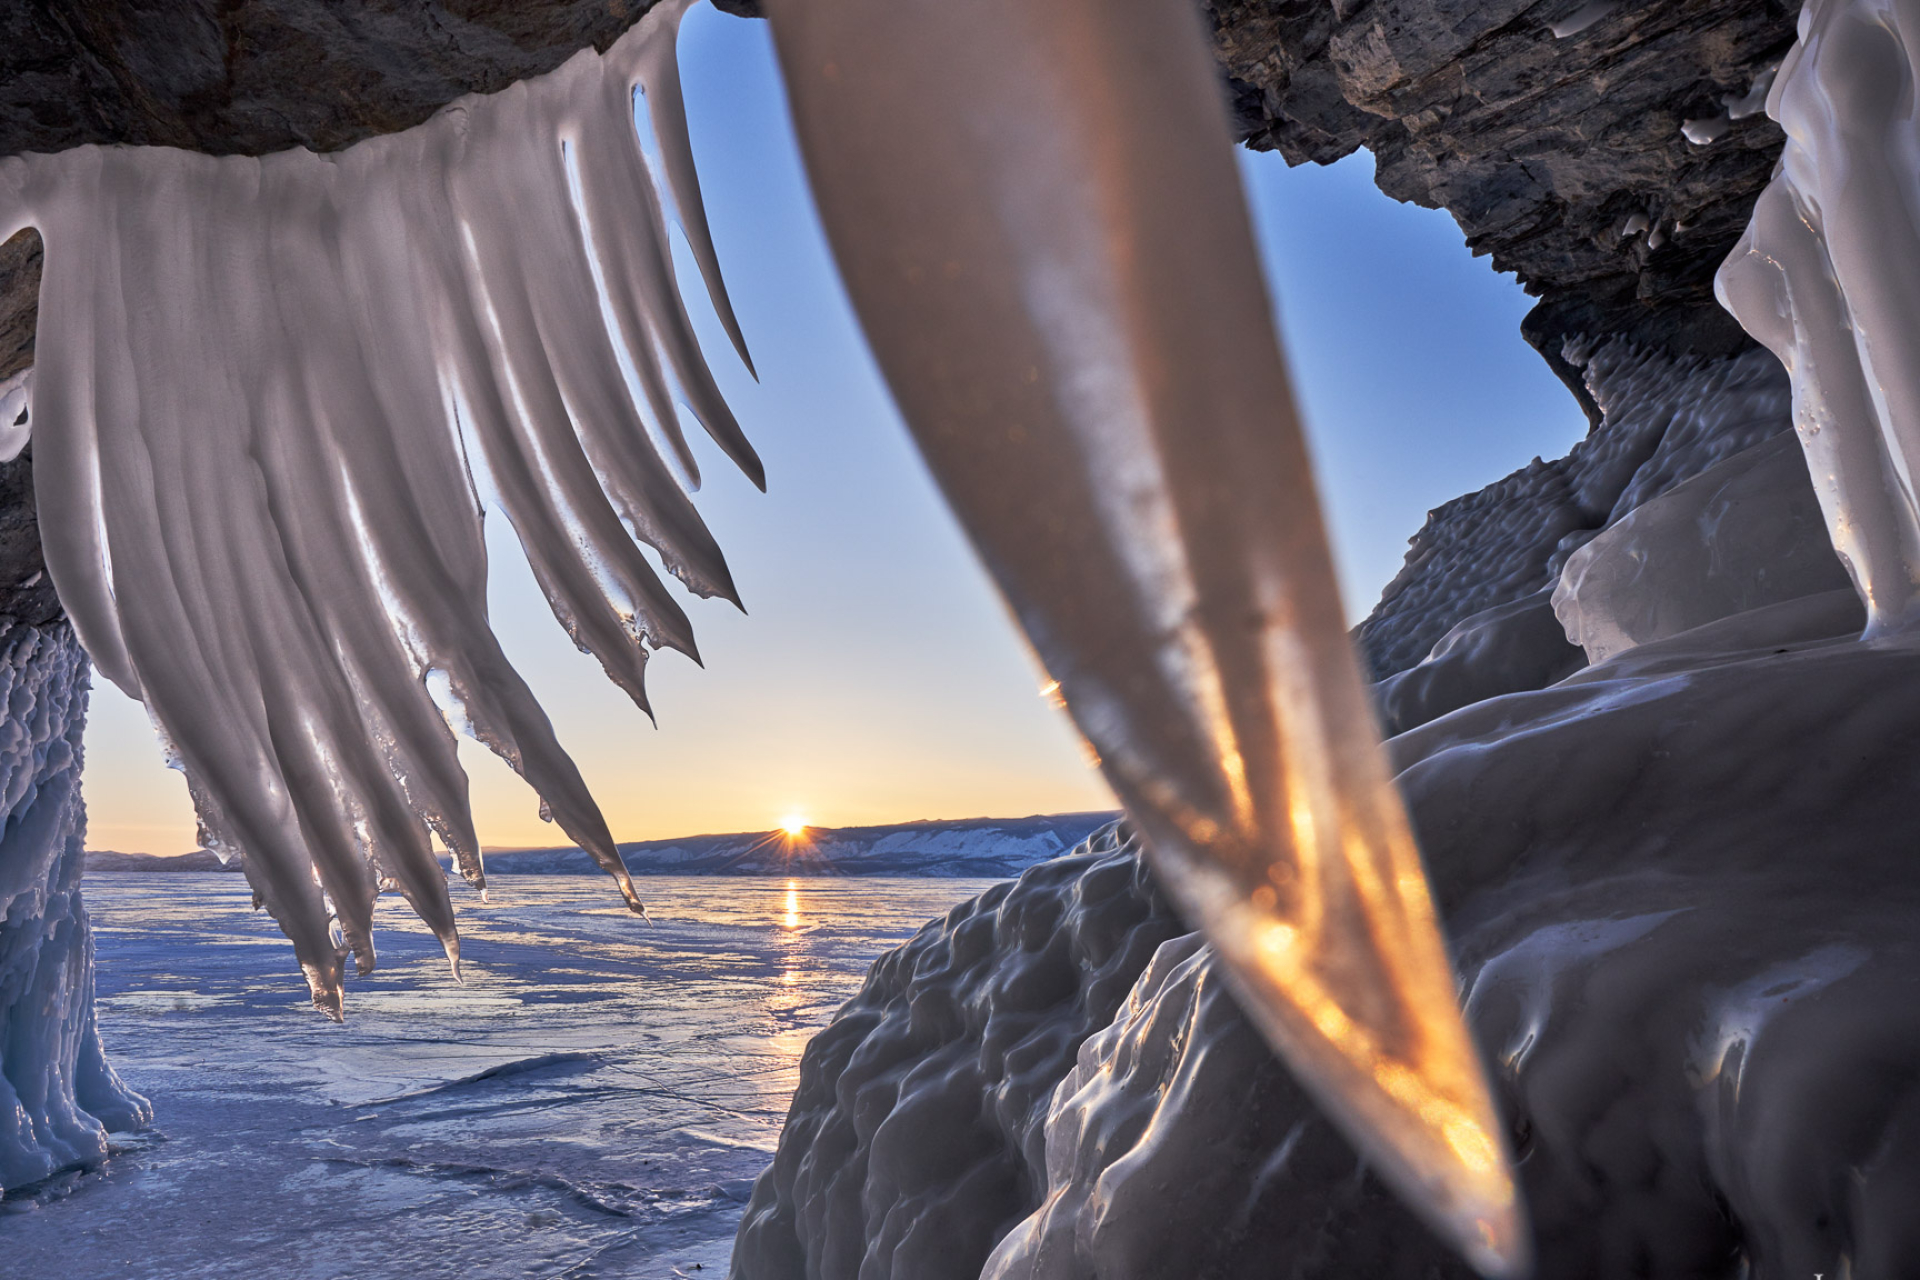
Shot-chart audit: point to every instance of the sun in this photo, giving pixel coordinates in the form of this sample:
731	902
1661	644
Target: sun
795	827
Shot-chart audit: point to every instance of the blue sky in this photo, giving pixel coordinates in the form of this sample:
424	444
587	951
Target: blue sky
876	677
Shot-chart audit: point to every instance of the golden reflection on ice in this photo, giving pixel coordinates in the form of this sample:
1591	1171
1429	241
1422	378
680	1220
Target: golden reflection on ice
1152	521
792	920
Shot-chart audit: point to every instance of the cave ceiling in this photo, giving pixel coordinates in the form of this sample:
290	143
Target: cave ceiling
1560	155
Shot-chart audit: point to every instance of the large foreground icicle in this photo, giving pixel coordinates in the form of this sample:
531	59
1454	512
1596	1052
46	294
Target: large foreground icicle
1037	215
1828	277
257	382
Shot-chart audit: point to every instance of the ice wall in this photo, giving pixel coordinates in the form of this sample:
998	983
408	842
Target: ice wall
58	1096
1828	277
269	397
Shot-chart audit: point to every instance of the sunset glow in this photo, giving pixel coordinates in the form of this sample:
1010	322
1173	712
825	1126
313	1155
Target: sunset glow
794	827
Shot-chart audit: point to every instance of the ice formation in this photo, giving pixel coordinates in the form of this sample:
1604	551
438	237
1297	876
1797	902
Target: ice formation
265	389
1663	420
1065	298
58	1096
1828	277
1653	872
1741	535
908	1148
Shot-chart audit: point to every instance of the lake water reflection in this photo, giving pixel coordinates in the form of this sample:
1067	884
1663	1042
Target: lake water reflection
593	1102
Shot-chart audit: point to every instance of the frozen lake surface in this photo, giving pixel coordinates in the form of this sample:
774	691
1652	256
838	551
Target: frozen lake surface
594	1102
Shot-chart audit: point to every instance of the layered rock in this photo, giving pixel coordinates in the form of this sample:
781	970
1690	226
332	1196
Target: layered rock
1561	135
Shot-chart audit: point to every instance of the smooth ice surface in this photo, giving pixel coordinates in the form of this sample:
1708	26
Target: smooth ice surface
58	1096
1065	298
261	386
1828	277
638	1079
1741	535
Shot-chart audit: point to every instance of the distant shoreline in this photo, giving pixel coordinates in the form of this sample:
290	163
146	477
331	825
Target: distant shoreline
947	847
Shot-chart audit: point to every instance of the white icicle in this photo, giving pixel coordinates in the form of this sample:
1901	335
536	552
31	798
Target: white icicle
1828	277
256	504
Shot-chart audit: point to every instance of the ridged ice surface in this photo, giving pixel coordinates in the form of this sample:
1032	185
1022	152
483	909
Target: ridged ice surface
58	1096
593	1103
264	390
918	1113
1663	420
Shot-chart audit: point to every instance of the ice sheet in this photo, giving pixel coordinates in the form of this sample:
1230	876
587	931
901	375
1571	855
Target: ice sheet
639	1078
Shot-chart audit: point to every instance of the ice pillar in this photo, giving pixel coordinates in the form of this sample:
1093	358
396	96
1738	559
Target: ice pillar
1828	278
58	1096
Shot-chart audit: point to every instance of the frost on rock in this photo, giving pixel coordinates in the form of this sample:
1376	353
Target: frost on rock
58	1096
1663	420
265	390
907	1149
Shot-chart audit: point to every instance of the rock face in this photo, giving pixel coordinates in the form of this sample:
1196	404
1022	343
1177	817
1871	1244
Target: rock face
58	1096
1551	129
255	76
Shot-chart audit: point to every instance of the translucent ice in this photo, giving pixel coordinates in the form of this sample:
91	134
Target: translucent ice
259	381
1037	215
1828	277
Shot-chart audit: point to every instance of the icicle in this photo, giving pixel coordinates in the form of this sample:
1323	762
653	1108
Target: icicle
1036	212
1827	276
252	488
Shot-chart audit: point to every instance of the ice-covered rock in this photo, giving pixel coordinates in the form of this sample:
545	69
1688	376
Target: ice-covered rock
907	1149
1507	648
1663	421
1179	1146
58	1096
1698	1008
1746	532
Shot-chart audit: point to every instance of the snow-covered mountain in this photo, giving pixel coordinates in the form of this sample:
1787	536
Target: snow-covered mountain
961	847
956	847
